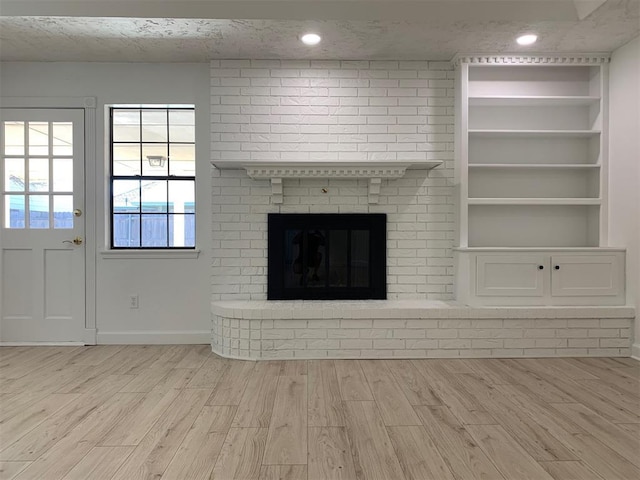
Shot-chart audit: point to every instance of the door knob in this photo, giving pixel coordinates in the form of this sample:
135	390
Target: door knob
75	241
77	212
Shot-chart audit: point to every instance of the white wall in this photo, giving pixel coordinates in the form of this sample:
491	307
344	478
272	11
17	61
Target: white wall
174	294
624	161
353	111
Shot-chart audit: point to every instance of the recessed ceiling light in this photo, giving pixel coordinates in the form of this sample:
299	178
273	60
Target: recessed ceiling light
311	39
528	39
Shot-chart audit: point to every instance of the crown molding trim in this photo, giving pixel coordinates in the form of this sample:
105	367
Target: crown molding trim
534	59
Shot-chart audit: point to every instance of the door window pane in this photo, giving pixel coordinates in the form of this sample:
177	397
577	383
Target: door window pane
63	175
38	138
14	138
38	174
62	138
14	174
62	211
14	216
38	211
47	170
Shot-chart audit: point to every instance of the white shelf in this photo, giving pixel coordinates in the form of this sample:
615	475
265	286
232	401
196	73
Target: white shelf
533	166
534	201
534	133
531	101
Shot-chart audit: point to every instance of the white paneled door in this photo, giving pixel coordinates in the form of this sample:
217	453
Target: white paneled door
42	259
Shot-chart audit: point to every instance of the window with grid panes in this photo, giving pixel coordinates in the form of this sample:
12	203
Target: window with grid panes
152	177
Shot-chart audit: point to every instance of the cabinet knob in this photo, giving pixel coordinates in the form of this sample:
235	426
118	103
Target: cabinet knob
557	267
540	267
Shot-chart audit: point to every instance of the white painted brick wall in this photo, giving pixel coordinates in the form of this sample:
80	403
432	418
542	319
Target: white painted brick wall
535	337
265	110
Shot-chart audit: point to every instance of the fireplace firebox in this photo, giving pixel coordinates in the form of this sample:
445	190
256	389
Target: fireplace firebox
327	256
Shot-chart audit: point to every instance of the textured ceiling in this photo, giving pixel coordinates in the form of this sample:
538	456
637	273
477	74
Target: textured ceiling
54	38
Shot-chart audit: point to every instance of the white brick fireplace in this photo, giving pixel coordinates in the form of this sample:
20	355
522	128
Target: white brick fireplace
359	112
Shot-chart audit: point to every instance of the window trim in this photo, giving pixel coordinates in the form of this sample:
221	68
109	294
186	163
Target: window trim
139	251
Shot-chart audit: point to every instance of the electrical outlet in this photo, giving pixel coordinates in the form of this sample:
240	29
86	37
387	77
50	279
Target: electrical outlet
133	301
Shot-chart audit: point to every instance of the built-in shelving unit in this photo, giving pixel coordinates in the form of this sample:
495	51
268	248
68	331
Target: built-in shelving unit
531	146
531	167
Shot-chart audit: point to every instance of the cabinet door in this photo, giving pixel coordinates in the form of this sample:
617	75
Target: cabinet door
586	275
510	275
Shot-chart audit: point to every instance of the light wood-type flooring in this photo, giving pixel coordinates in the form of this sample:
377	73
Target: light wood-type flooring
182	413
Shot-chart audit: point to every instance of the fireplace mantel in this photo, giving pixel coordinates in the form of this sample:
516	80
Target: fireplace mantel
373	171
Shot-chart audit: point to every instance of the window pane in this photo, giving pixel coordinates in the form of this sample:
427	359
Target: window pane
182	126
154	158
38	138
126	125
14	211
182	230
38	211
126	230
14	138
62	211
63	175
126	196
154	230
14	174
154	196
62	138
126	159
155	145
38	174
154	126
182	160
181	196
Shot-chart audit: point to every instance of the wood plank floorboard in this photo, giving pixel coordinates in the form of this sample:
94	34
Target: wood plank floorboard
9	470
179	412
330	454
570	471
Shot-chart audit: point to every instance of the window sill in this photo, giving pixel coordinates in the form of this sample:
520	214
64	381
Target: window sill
151	254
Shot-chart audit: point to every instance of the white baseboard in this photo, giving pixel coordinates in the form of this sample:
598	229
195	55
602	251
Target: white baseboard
172	337
42	344
635	351
89	336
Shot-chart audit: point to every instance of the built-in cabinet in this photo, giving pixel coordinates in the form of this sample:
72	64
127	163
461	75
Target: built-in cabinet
542	277
531	173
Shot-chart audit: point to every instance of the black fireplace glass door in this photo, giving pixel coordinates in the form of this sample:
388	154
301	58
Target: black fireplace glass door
338	258
326	256
293	259
360	258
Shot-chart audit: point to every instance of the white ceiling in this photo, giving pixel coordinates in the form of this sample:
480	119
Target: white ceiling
196	31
